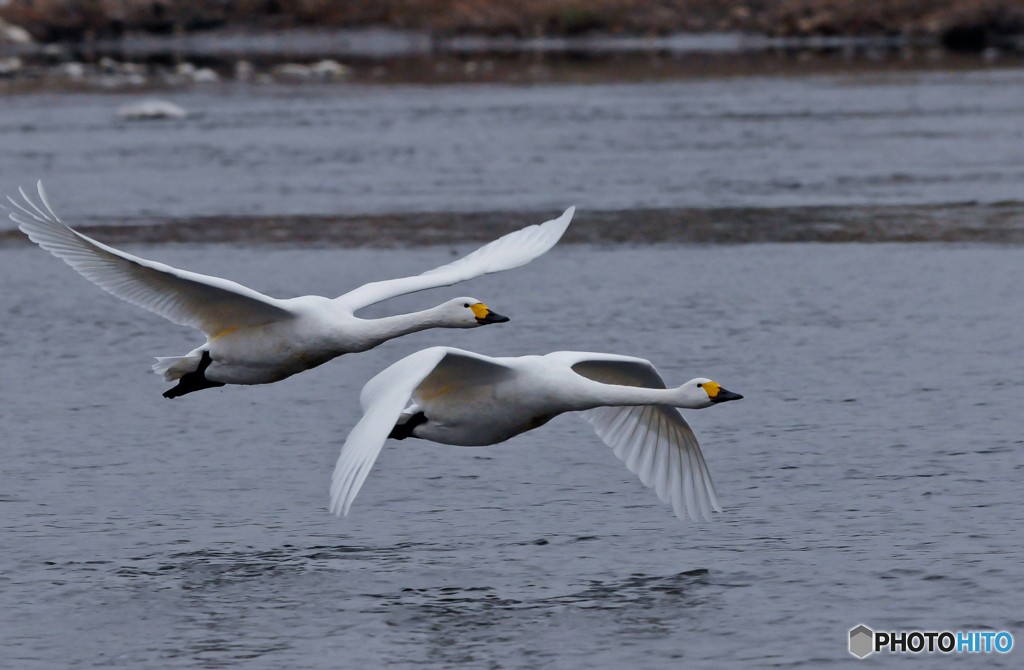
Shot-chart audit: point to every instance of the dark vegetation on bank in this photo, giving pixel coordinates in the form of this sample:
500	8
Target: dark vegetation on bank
990	223
958	24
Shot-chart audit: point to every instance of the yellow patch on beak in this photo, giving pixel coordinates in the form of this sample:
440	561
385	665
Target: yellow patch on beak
712	389
480	310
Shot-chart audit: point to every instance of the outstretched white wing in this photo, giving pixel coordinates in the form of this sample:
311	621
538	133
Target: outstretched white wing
211	304
654	441
504	253
383	399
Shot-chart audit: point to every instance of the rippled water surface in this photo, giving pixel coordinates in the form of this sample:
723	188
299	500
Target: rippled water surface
746	141
871	475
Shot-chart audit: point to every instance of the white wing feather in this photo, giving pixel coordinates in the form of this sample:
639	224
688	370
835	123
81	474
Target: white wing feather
654	441
505	253
210	304
382	399
385	397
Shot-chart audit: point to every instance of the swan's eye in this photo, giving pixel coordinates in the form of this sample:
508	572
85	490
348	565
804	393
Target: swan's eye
466	305
699	385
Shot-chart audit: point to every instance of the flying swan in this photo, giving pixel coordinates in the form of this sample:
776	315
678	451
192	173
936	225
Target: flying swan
255	339
462	398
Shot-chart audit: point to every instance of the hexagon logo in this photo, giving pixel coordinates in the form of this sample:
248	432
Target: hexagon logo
862	641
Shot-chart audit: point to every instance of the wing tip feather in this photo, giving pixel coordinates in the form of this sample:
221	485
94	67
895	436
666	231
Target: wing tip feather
683	478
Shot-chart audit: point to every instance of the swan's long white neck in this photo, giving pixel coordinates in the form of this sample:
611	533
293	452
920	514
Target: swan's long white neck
390	327
595	394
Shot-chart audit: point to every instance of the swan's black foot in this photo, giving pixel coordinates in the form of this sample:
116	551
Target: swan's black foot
194	381
405	430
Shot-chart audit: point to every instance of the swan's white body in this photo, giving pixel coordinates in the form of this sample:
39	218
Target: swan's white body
255	339
462	398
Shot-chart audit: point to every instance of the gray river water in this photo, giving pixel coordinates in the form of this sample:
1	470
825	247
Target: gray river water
872	474
902	138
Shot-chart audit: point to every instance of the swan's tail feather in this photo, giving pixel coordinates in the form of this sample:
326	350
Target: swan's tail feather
173	367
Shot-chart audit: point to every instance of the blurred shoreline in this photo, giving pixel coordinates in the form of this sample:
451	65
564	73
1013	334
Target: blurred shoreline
958	24
119	72
1000	223
161	44
383	55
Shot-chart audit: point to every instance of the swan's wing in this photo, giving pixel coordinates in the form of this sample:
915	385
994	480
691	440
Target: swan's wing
460	369
211	304
654	441
383	399
611	368
504	253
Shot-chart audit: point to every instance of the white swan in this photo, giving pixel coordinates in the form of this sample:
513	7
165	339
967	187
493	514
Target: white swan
255	339
466	399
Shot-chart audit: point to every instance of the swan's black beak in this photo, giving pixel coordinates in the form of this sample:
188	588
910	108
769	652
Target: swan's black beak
491	317
725	396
